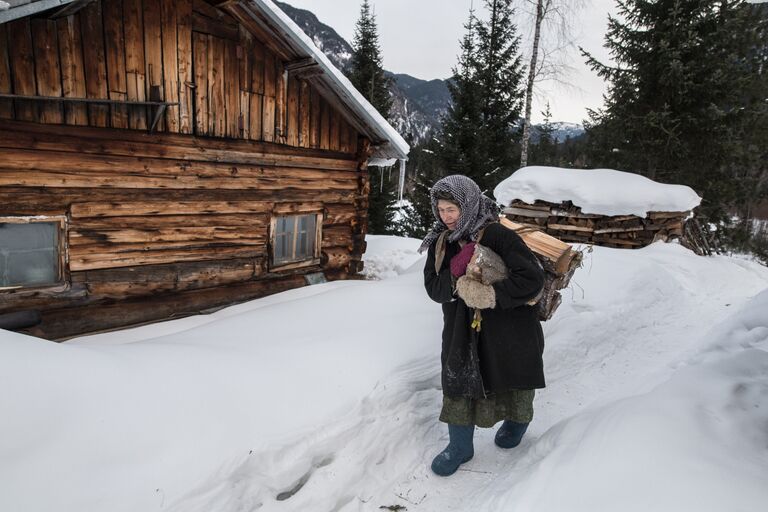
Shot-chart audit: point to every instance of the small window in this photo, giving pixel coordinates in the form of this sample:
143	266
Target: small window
30	254
295	239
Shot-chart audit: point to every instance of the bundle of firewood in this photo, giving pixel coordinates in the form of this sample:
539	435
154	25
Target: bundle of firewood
567	222
557	258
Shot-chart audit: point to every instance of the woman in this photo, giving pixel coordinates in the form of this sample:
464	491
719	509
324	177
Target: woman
490	370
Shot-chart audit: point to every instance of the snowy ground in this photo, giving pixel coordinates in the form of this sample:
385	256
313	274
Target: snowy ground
326	398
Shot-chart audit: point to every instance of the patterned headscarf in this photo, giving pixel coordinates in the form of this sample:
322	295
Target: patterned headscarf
477	210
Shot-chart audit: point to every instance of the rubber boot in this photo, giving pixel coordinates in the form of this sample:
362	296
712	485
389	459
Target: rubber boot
510	434
460	449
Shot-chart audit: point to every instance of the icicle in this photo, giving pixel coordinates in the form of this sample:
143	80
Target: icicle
402	179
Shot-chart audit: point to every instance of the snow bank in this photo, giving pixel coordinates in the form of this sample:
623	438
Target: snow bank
4	6
696	442
596	191
388	256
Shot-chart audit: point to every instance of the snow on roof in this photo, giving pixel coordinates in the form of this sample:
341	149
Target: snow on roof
14	9
596	191
396	146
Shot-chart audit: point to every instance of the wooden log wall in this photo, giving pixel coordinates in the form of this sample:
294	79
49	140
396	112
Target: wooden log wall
227	83
165	225
173	222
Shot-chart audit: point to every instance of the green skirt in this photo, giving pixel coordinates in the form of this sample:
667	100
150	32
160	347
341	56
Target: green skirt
515	405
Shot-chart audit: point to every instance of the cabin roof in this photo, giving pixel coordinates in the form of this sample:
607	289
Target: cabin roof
271	21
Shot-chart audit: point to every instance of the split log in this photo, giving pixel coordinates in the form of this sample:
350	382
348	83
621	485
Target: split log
558	253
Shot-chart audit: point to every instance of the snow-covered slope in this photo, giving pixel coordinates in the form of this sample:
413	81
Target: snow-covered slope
326	398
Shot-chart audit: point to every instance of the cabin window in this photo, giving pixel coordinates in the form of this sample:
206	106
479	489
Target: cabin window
30	252
295	239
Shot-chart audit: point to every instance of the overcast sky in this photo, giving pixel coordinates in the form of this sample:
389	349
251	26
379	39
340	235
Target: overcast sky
421	38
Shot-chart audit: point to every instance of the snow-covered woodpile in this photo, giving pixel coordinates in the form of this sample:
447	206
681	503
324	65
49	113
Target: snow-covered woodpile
567	222
597	206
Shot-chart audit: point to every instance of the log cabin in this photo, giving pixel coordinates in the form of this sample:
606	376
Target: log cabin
162	158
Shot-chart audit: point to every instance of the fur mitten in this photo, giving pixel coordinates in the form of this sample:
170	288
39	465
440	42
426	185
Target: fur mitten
476	294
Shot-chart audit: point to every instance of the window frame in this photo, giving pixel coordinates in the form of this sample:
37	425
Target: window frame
295	211
63	277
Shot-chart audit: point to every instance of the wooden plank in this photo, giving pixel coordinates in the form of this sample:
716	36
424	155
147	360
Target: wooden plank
248	220
257	67
244	121
6	84
82	259
21	136
270	74
256	116
335	130
36	201
231	89
304	113
153	54
315	117
68	179
353	137
208	26
164	208
325	125
292	121
186	71
94	60
245	60
216	102
204	8
72	69
22	62
155	236
201	51
344	130
569	227
170	48
281	102
268	119
524	212
47	69
114	44
135	65
29	160
150	280
121	283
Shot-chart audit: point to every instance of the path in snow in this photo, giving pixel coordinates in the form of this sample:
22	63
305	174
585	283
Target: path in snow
626	325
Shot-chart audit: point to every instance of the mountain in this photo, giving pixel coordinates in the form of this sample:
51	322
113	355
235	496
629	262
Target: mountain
417	105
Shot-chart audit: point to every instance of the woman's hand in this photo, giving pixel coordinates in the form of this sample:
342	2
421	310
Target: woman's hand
461	260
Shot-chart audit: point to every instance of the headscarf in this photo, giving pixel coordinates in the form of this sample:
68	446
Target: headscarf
477	210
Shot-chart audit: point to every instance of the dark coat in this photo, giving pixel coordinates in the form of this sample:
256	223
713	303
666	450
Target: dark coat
510	344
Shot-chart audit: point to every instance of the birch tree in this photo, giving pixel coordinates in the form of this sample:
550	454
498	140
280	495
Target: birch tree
555	16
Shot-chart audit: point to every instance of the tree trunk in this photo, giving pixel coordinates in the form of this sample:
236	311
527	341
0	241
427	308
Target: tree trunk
529	87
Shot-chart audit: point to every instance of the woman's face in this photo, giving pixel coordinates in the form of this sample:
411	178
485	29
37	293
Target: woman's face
449	213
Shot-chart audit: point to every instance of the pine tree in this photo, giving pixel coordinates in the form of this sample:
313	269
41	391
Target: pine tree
499	74
678	94
546	149
367	75
479	132
460	148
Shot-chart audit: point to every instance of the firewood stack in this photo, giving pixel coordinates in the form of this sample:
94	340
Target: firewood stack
557	258
567	222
